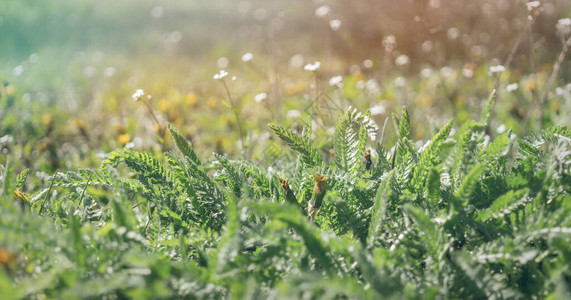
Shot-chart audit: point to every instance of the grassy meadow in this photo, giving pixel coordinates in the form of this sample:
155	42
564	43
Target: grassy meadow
279	149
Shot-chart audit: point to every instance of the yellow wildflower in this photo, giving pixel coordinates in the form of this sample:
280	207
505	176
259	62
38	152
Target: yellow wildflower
123	139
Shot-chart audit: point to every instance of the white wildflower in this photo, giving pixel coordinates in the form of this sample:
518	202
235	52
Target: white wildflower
563	27
335	24
330	131
427	46
18	70
453	33
336	81
512	87
378	109
260	97
497	69
367	63
373	87
222	62
247	57
296	61
531	5
426	73
220	75
89	72
322	11
389	43
402	60
468	73
138	95
109	72
175	37
312	67
447	72
400	82
293	114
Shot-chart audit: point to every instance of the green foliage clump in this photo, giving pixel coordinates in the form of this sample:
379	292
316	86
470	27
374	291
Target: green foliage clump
460	216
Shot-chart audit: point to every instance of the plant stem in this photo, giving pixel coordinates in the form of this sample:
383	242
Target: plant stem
235	113
554	72
152	113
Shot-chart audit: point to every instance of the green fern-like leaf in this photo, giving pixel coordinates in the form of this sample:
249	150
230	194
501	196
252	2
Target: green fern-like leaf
363	120
430	157
346	142
495	155
488	109
307	130
297	143
380	207
21	179
433	186
466	190
504	205
182	145
404	125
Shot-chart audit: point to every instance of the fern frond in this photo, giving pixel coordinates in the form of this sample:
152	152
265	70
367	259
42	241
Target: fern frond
426	225
380	207
297	143
364	121
485	116
404	126
21	179
466	190
483	283
430	157
433	192
307	130
346	142
148	166
505	205
496	153
182	144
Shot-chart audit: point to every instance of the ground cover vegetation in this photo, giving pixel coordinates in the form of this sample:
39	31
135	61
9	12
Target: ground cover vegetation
285	149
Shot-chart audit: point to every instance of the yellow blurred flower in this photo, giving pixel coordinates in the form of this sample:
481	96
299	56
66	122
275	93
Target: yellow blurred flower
358	77
119	128
172	116
160	129
164	105
531	85
191	99
123	139
47	120
425	100
78	123
292	88
211	102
